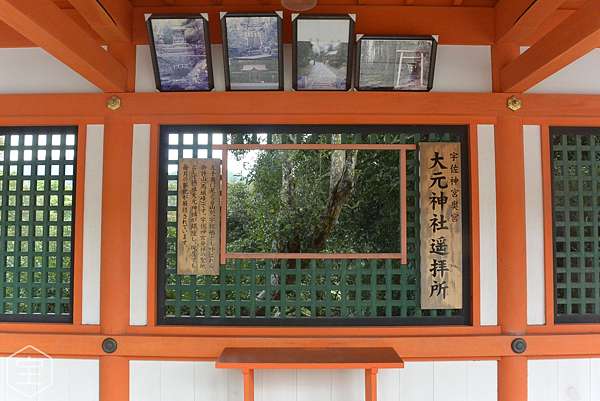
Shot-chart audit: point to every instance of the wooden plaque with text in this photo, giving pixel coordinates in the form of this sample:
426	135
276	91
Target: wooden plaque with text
440	192
198	216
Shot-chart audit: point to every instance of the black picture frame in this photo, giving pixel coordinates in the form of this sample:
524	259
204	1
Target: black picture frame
430	73
350	49
153	52
226	59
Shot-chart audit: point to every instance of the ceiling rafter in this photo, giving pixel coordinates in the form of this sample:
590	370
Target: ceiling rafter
111	19
573	38
517	20
46	25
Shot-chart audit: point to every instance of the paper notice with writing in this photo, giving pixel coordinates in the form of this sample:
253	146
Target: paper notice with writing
198	229
440	192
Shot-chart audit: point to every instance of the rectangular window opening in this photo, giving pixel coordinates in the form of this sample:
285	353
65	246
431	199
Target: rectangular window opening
575	164
37	206
351	282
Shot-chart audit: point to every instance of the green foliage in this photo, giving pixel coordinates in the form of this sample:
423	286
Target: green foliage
268	212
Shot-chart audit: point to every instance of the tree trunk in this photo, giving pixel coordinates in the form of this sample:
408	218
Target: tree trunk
288	205
341	184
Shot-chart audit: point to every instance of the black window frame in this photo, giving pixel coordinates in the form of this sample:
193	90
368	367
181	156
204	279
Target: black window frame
465	319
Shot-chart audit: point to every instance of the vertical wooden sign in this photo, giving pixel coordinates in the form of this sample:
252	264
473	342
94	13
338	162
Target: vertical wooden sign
198	220
441	225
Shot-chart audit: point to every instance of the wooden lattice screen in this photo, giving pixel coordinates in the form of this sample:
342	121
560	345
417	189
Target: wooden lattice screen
37	205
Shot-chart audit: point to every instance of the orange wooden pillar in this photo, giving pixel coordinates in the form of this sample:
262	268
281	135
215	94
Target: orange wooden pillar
512	276
371	384
114	278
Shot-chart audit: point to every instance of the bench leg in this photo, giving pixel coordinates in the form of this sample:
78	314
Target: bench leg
371	384
248	384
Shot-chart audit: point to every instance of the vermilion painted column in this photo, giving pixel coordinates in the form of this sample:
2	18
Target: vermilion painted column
512	277
371	384
114	278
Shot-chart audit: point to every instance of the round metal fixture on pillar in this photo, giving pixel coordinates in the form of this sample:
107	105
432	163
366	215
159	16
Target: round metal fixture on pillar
518	345
109	345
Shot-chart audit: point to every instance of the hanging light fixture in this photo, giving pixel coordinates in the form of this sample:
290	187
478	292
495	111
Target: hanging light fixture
298	5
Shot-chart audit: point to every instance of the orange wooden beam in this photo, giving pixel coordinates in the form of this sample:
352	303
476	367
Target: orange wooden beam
502	54
112	19
517	20
43	23
570	40
9	38
416	347
293	107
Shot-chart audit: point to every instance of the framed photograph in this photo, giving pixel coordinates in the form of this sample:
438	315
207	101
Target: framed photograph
253	51
322	52
180	49
395	63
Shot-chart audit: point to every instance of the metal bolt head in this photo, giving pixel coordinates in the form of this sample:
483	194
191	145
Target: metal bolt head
518	345
113	103
109	345
514	103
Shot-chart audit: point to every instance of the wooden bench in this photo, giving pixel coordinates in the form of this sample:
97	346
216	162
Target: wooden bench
369	359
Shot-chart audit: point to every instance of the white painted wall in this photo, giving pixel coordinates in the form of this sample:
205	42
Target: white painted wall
579	77
32	70
488	266
64	379
564	380
418	381
534	224
92	224
463	69
140	185
458	69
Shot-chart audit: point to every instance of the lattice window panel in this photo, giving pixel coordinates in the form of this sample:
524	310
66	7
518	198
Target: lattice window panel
37	205
315	292
576	213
